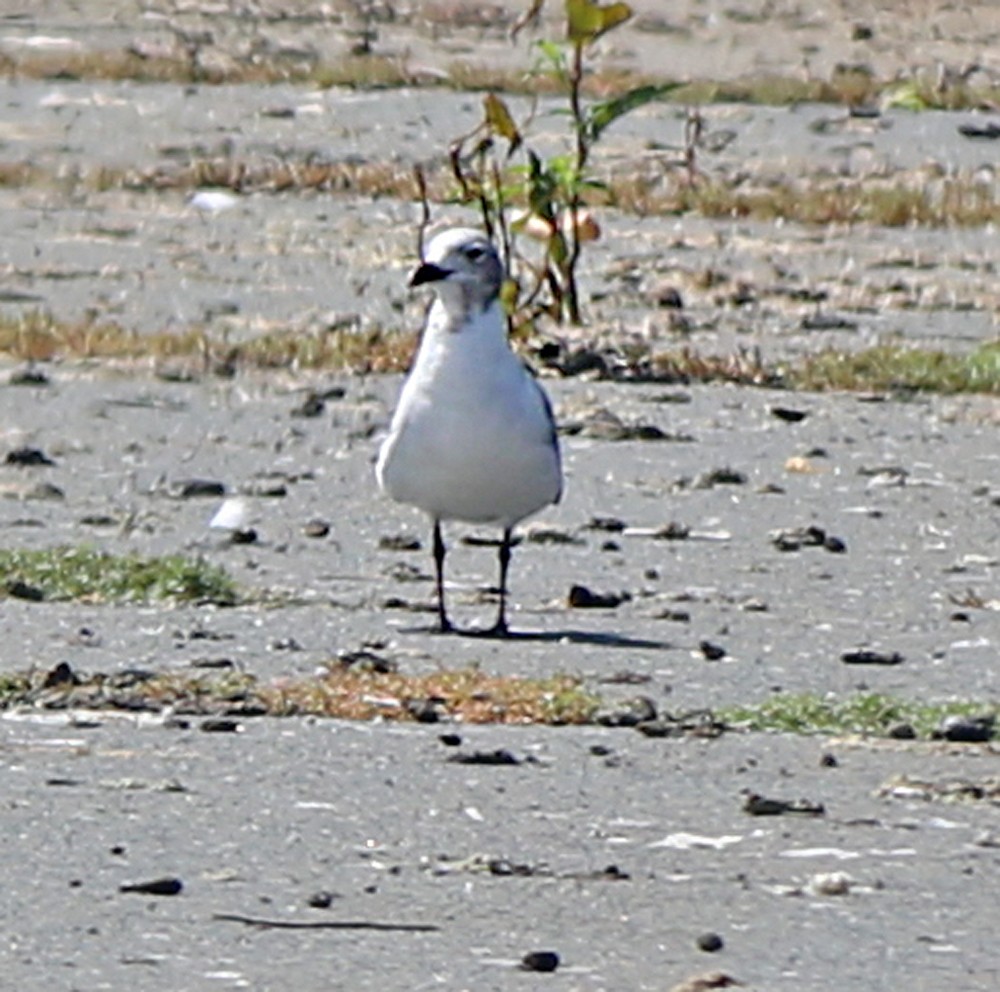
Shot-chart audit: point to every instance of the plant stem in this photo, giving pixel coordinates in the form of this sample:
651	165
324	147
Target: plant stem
571	301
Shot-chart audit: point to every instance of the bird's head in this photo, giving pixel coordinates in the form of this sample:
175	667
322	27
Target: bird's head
463	266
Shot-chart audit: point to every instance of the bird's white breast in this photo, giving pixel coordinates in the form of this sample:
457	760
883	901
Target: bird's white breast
472	438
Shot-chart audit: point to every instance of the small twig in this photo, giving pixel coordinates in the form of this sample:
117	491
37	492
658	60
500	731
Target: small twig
530	16
504	233
425	208
253	921
570	304
694	125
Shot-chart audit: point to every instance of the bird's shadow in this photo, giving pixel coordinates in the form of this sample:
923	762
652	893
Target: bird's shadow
601	638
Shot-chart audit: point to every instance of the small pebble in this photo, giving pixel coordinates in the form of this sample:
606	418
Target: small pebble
966	729
27	457
316	528
712	652
540	961
398	542
582	598
865	656
788	414
501	756
321	899
221	725
28	377
834	883
709	942
156	887
196	488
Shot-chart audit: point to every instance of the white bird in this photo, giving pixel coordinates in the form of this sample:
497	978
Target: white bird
473	437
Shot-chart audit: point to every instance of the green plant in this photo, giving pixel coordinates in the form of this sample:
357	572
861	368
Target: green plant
82	573
497	168
870	714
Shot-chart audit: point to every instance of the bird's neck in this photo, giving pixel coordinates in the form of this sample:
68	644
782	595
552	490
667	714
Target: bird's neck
456	341
468	319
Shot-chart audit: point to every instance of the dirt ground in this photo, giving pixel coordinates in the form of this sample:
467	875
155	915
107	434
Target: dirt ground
615	850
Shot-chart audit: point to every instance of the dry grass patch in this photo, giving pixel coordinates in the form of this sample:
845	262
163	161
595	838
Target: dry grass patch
374	179
36	337
746	368
894	201
845	86
353	71
39	337
464	695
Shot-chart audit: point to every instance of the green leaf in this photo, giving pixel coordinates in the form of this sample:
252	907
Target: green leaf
552	59
558	249
586	21
541	187
500	121
601	115
906	96
509	293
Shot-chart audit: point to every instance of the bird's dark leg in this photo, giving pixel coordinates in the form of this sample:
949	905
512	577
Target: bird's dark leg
439	553
500	627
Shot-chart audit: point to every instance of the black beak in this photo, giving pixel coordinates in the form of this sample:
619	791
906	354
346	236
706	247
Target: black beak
428	272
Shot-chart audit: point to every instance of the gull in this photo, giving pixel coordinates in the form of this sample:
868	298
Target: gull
473	437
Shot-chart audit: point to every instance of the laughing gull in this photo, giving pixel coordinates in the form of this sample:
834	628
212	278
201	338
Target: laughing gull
473	437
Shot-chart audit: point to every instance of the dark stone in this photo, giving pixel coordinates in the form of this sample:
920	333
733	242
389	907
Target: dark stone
220	725
709	942
62	674
628	713
156	887
501	756
21	590
26	457
712	652
540	961
788	414
864	656
321	899
582	598
966	729
398	542
312	406
28	377
196	488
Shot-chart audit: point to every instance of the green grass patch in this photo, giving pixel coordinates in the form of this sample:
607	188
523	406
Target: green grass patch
892	368
84	574
870	714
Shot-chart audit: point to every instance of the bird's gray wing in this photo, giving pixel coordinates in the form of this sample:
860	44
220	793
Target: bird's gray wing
553	433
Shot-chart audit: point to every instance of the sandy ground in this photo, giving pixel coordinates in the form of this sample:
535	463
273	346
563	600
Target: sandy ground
502	860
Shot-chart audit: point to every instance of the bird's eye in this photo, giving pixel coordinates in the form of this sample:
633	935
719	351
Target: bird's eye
474	254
